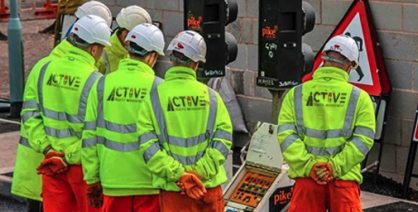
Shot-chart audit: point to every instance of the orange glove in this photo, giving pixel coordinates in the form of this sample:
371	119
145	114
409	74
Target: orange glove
191	185
322	173
95	195
52	166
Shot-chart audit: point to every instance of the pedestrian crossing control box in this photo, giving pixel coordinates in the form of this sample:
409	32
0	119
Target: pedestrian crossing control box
261	183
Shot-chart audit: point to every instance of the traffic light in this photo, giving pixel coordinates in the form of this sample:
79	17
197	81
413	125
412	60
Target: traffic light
282	56
209	18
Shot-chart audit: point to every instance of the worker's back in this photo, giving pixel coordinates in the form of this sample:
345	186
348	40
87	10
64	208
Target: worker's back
63	88
326	102
327	111
118	97
192	118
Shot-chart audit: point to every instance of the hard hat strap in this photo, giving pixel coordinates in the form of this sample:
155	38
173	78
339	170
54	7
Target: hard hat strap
134	51
76	43
185	62
331	59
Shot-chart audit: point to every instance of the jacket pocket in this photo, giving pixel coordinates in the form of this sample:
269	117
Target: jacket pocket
211	198
344	184
346	192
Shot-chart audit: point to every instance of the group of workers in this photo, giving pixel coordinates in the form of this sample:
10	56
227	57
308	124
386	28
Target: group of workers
101	132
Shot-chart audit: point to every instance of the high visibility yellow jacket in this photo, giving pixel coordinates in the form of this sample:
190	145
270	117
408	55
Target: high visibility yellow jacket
112	55
184	126
26	182
110	151
326	119
55	100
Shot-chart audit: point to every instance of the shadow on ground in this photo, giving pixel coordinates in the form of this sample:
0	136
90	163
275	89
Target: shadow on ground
11	205
394	207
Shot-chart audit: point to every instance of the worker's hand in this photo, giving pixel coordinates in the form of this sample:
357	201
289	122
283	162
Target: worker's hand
181	185
191	185
95	195
44	170
321	173
52	166
52	153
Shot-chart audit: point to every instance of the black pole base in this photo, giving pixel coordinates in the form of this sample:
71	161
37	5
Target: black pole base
15	108
34	206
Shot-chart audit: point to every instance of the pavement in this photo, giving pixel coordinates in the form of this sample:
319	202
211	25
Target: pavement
9	141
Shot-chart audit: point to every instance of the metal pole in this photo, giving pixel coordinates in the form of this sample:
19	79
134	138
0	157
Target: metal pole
409	169
9	121
276	102
16	66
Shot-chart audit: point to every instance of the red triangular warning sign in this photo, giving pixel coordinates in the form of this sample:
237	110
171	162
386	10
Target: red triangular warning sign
358	24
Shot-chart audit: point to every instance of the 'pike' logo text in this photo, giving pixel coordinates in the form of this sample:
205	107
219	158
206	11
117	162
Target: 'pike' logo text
283	197
194	23
127	94
178	103
269	33
64	81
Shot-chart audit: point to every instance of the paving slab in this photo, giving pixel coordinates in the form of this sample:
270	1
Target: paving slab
8	147
371	200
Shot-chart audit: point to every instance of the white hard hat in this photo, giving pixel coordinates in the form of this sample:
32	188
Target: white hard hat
95	8
92	29
189	43
147	36
131	16
344	45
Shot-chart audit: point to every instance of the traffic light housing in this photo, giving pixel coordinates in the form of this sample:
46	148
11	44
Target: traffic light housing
282	23
209	18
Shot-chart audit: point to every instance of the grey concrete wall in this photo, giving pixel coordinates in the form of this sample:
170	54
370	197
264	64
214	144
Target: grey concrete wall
397	28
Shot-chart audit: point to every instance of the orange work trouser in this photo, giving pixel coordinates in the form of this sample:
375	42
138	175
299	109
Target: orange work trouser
66	192
142	203
213	201
337	196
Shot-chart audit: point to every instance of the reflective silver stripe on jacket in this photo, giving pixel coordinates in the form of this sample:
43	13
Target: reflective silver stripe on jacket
110	144
324	134
24	141
63	116
30	114
31	104
185	142
111	126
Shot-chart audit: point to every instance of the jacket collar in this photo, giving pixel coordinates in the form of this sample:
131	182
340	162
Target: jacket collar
180	72
81	55
129	64
61	48
328	72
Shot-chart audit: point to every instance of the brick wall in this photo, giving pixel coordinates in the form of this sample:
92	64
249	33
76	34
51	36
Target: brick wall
397	28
